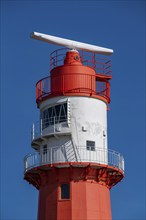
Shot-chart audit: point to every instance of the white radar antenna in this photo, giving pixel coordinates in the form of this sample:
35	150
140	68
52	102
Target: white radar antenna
71	44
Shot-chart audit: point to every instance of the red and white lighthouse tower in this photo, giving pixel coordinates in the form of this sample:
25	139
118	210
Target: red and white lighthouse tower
72	167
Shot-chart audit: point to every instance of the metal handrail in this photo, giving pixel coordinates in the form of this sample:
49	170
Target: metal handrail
43	86
52	122
88	58
58	154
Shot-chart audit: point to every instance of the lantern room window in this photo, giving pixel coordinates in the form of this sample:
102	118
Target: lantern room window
54	115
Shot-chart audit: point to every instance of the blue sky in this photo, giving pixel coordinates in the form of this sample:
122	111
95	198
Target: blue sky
115	24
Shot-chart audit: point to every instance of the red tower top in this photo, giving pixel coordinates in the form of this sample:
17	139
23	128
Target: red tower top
74	73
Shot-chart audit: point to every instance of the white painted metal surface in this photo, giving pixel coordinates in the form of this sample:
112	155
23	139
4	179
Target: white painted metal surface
71	44
87	117
87	123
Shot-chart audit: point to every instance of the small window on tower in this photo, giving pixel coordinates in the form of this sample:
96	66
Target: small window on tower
65	191
90	145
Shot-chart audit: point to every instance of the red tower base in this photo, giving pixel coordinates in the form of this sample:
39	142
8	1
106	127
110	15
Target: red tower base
86	197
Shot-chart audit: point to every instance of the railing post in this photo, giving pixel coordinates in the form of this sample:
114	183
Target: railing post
51	156
63	84
93	60
41	126
50	61
56	58
123	165
54	124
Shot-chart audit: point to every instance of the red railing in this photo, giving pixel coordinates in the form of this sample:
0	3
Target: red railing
89	84
81	83
100	65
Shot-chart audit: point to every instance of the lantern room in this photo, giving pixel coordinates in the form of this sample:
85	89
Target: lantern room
73	72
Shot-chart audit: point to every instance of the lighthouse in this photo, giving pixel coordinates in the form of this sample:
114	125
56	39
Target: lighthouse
71	165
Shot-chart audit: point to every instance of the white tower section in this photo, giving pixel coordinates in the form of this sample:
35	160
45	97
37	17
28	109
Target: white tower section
82	136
